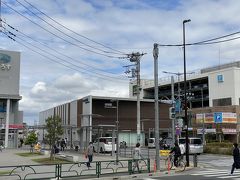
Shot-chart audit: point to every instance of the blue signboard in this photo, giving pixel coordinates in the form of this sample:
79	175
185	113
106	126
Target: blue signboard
220	78
218	117
178	106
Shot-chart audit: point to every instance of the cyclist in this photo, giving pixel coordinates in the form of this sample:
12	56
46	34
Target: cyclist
177	153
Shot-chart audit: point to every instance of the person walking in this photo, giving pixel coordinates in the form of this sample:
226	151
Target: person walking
236	158
62	144
136	157
89	154
177	153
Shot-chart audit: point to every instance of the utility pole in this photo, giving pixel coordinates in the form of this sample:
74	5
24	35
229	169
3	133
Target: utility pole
0	14
135	58
173	120
155	55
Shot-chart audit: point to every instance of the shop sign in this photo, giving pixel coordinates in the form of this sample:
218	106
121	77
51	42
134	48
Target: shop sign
229	118
5	62
229	131
206	131
207	119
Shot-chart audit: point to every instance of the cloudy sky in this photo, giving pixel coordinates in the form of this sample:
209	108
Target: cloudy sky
73	48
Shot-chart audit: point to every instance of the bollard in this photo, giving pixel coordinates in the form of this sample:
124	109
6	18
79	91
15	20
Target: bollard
195	160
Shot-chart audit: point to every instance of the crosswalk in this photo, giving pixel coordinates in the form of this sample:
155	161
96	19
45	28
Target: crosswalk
216	173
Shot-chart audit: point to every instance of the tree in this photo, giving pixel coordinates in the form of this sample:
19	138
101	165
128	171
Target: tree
31	140
54	131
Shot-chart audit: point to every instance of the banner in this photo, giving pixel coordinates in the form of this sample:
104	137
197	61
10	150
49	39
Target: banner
229	118
207	119
229	131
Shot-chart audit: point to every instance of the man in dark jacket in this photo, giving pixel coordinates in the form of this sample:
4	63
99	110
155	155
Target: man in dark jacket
236	158
177	153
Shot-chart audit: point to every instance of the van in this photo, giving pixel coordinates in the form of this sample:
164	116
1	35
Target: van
105	144
151	143
195	145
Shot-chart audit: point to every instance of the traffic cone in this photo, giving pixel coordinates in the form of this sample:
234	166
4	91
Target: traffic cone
155	167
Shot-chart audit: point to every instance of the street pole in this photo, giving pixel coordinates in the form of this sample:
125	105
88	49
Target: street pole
138	99
117	123
185	93
155	55
173	120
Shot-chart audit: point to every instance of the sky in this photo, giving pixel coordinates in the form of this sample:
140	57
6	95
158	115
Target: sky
74	48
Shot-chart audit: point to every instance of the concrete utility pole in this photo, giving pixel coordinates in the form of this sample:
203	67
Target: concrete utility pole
173	120
135	57
155	55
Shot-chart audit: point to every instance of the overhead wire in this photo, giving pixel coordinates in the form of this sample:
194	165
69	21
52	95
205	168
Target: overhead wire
72	30
207	42
61	63
45	45
28	10
89	50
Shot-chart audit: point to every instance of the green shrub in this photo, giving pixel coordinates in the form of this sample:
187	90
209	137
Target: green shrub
218	148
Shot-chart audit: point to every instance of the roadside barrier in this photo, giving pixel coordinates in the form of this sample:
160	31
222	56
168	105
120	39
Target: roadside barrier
71	170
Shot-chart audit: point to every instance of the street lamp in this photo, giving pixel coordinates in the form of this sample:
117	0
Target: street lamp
185	92
109	105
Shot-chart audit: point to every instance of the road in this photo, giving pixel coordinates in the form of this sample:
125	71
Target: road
209	167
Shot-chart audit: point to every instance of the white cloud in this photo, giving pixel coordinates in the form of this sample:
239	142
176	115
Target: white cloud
124	25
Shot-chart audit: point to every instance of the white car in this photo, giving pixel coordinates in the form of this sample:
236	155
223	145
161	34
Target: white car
105	144
195	145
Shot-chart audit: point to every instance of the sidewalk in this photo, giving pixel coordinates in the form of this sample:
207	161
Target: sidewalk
9	158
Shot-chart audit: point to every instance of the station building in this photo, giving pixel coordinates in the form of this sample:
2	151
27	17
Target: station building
213	99
90	117
11	119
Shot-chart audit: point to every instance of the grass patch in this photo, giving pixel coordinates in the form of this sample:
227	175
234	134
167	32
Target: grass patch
48	161
28	154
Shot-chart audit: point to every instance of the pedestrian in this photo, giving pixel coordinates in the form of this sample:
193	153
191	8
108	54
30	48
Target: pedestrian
21	142
136	157
177	153
65	140
236	158
31	148
89	154
62	144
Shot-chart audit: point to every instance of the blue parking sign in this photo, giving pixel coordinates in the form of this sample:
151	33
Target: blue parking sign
218	117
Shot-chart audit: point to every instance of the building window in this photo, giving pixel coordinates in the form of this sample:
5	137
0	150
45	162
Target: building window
2	106
222	102
134	90
220	78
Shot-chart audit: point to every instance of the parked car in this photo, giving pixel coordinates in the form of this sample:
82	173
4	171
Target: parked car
195	145
105	144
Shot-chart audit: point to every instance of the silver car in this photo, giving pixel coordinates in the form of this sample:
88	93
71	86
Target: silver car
195	145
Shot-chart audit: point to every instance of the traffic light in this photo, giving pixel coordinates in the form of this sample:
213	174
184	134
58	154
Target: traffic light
172	114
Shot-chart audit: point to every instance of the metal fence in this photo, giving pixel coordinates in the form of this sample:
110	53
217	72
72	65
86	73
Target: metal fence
72	170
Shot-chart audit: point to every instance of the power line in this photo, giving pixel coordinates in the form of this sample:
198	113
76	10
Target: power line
72	30
51	59
45	45
59	36
66	33
206	42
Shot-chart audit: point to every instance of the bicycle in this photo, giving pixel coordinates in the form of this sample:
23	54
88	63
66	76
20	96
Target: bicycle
169	162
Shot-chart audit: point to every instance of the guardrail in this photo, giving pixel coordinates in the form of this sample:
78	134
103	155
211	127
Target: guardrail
72	170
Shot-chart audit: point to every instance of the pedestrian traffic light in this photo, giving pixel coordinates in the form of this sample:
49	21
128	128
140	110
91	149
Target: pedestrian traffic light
171	113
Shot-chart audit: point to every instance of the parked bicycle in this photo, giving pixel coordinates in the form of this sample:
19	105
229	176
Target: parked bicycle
169	163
